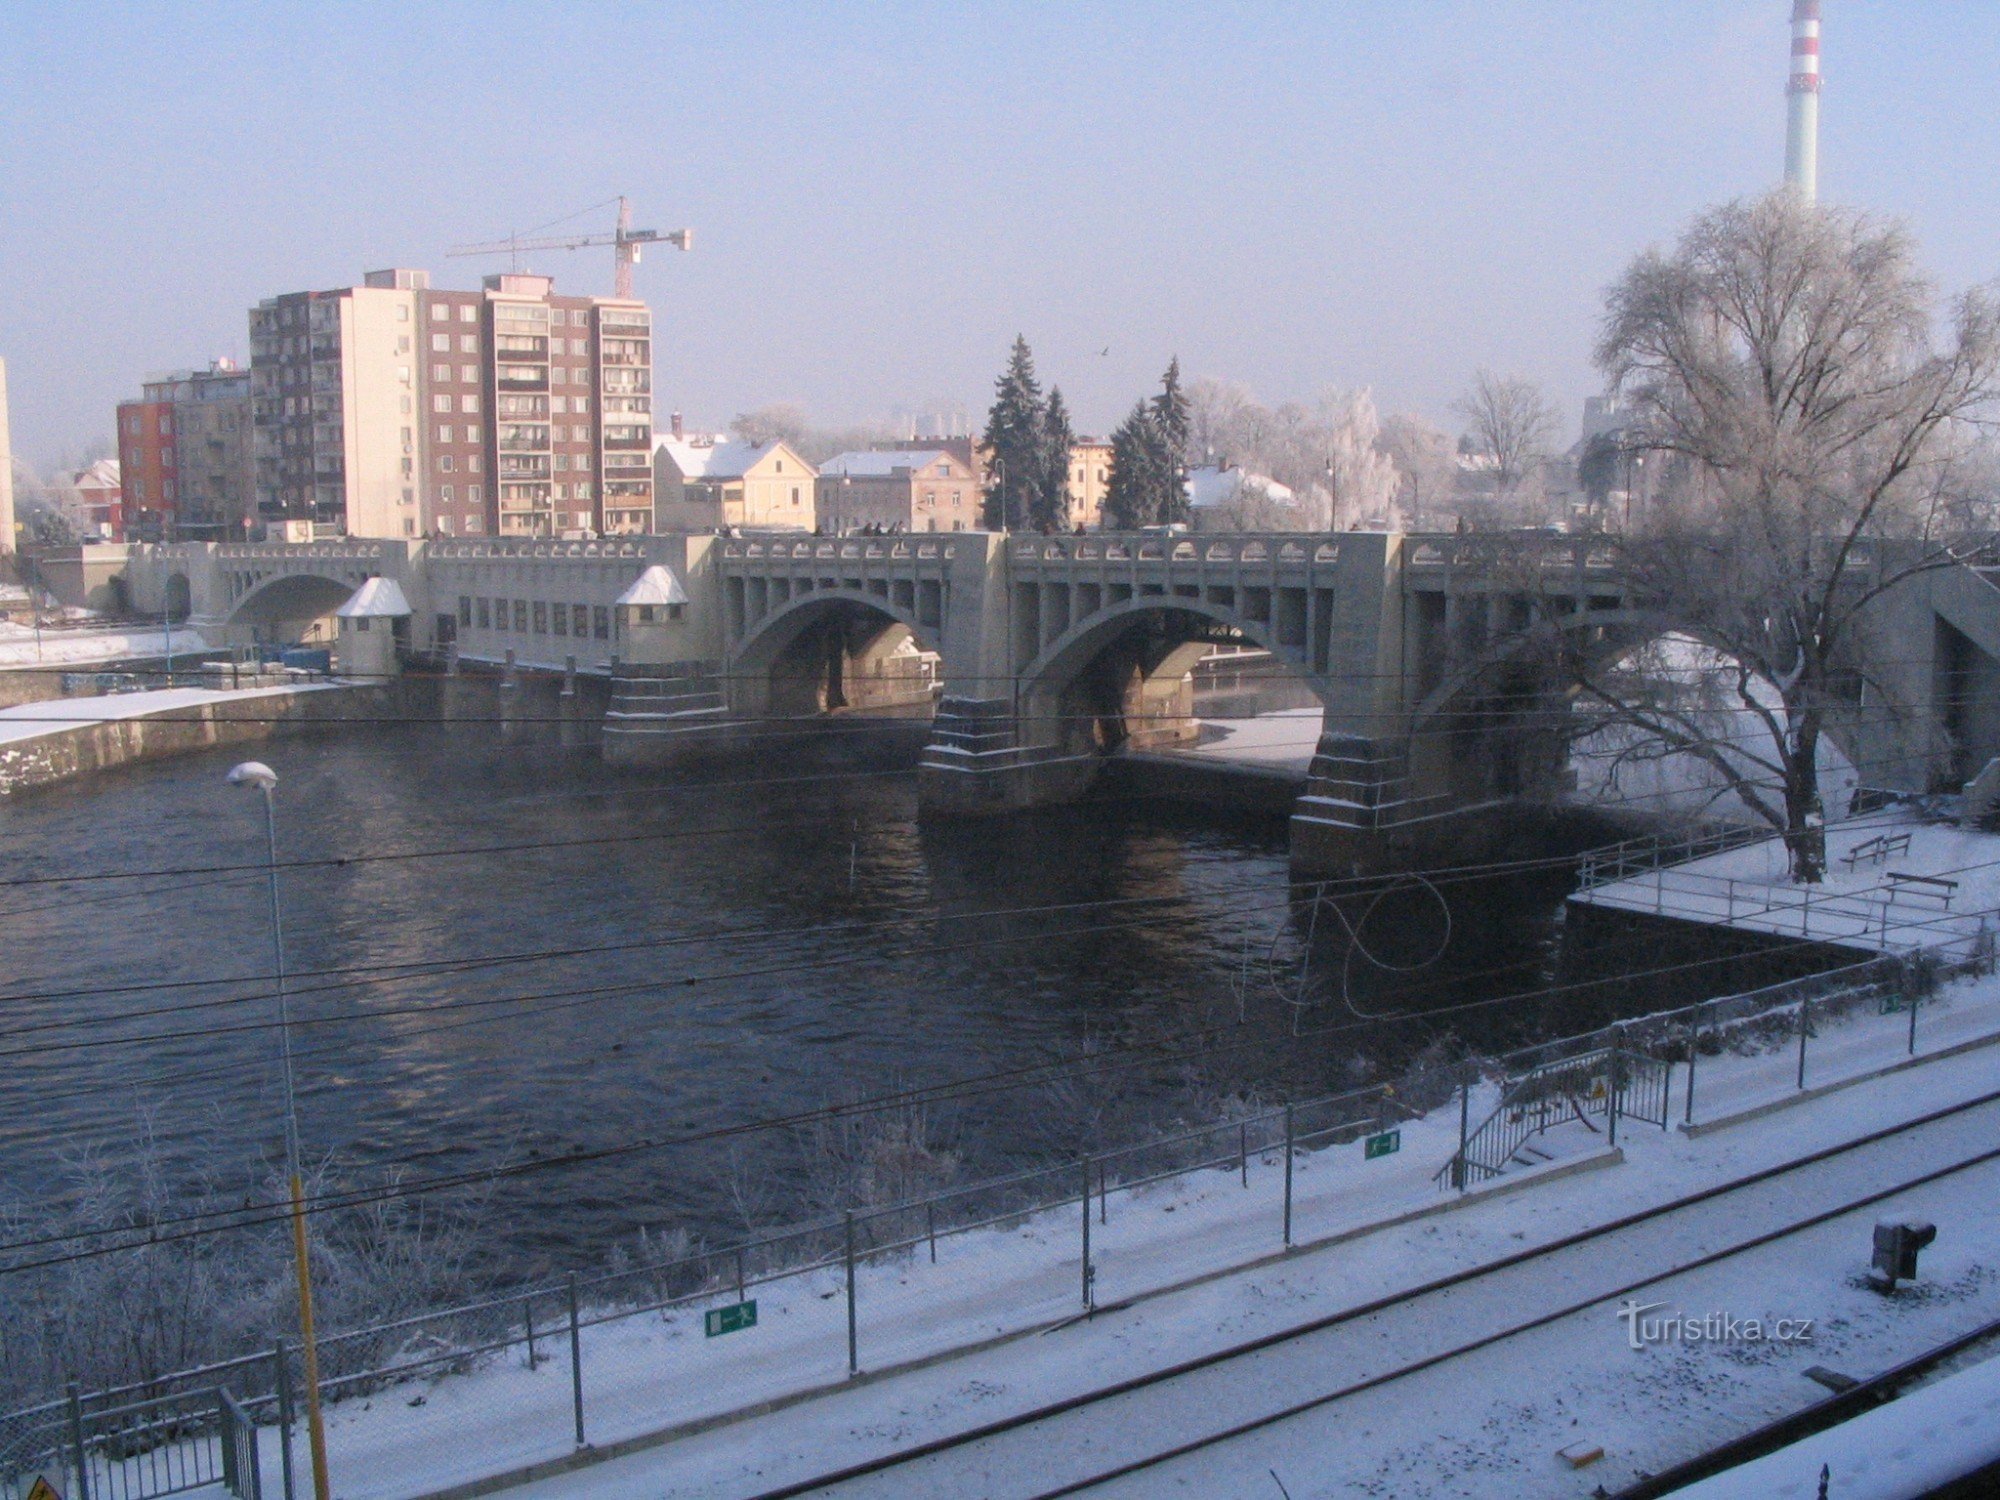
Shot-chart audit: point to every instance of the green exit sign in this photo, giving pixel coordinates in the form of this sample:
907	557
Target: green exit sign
719	1320
1388	1143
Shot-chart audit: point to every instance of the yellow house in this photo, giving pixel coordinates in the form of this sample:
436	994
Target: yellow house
706	484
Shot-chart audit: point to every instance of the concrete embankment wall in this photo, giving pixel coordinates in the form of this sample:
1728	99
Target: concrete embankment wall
83	748
1656	962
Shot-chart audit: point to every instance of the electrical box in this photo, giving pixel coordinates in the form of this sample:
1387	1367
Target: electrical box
1897	1242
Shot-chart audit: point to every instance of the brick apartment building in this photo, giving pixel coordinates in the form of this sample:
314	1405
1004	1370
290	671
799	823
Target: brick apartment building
184	456
392	409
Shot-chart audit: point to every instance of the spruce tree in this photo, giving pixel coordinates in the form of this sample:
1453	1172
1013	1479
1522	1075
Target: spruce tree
1170	429
1013	442
1132	491
1051	501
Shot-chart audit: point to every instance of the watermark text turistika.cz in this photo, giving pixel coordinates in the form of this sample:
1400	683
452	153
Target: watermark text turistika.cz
1710	1328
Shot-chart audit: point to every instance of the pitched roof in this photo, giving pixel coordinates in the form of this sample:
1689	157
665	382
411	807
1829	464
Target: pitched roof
657	585
376	599
879	465
729	459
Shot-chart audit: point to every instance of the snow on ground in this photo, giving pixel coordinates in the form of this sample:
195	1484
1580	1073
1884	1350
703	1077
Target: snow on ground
18	647
1857	905
27	721
1286	738
649	1372
1912	1446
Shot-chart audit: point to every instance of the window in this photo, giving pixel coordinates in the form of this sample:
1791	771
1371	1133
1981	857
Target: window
402	340
444	463
581	405
579	615
467	312
562	461
541	618
444	432
406	406
402	312
955	497
778	466
445	495
521	616
439	312
472	432
409	529
472	463
469	374
440	372
468	343
600	622
474	523
468	403
472	496
402	374
485	614
583	460
561	620
465	609
441	343
440	403
795	494
559	374
558	404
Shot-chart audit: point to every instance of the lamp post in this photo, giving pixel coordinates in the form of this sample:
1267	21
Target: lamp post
254	773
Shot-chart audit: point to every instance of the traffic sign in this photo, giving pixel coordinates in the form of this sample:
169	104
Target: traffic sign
41	1489
1387	1143
720	1320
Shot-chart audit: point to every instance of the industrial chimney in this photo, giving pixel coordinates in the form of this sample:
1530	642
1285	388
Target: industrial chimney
1802	102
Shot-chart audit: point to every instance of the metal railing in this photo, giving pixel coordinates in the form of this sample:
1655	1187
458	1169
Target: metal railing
1611	1082
116	1446
1619	1073
1641	856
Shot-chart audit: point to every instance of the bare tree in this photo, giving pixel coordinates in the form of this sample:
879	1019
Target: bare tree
1790	364
1510	422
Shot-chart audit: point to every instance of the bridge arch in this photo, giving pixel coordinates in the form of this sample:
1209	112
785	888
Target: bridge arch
291	607
1120	677
833	651
1486	724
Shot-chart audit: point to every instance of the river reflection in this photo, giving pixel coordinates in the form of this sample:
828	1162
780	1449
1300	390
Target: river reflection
733	948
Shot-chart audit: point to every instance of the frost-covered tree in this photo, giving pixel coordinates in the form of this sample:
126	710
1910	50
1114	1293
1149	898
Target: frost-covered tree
1808	394
1361	480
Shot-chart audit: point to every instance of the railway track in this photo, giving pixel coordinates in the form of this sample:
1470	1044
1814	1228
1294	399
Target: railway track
1212	1397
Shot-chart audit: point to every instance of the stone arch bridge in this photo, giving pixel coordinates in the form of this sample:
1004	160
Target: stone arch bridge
1034	657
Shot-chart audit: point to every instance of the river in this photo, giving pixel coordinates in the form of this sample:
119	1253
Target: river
708	952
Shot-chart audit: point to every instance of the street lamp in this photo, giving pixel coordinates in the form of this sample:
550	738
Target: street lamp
254	773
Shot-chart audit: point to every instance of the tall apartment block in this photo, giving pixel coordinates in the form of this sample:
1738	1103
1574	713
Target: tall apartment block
185	445
392	409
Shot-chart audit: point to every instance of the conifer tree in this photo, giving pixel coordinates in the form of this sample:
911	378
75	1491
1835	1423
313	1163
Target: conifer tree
1051	503
1170	422
1132	490
1013	443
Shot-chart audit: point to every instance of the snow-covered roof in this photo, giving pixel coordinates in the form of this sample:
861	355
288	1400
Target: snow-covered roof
1211	485
104	473
376	599
726	460
874	465
657	585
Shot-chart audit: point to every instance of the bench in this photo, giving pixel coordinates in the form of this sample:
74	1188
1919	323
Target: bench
1935	887
1877	849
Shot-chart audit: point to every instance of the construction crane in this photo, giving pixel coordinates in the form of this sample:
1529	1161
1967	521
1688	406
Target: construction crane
626	240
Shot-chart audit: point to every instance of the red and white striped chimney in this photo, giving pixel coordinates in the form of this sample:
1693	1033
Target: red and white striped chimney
1802	102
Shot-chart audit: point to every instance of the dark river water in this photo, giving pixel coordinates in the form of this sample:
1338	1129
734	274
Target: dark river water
733	947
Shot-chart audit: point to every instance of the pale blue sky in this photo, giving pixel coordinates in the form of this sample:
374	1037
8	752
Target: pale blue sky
1385	193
